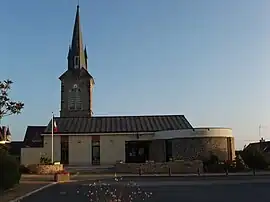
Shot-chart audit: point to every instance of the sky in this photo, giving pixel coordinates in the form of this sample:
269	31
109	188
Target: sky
208	60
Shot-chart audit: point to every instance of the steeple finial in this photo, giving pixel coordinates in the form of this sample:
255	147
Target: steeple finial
77	49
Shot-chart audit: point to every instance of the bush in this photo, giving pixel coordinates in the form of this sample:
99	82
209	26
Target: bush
215	168
3	149
10	174
24	170
213	165
45	160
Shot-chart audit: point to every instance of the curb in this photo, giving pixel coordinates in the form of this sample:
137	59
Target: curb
11	189
39	189
33	192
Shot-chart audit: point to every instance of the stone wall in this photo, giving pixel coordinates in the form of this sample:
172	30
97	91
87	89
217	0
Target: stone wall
86	88
160	168
157	151
45	169
190	149
200	148
233	148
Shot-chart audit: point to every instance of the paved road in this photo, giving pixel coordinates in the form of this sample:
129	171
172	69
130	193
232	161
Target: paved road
160	190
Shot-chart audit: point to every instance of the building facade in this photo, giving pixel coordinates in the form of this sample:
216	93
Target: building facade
82	138
105	148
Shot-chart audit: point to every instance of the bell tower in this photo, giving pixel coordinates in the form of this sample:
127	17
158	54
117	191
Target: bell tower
76	82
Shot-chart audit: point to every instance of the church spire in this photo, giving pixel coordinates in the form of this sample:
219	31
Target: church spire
77	53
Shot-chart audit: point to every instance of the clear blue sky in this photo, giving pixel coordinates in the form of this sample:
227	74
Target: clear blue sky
208	60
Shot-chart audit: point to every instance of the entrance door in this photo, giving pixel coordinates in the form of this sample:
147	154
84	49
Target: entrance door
137	151
64	149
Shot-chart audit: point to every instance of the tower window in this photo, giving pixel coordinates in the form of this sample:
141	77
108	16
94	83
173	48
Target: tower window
76	62
74	98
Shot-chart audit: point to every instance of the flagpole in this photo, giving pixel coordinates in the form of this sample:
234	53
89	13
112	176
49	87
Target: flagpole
52	137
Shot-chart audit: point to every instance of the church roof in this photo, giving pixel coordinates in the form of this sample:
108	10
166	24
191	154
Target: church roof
119	124
80	73
33	136
263	146
77	48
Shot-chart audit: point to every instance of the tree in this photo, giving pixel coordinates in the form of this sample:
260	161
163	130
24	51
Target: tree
9	175
7	106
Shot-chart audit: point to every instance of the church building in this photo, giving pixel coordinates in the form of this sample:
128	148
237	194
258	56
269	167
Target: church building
82	138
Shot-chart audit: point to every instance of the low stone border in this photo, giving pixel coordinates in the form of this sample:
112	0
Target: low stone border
61	177
160	168
22	190
45	169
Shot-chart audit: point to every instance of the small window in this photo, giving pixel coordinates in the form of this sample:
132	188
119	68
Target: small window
76	62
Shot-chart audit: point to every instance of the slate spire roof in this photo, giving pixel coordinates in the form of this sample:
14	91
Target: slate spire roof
77	53
77	48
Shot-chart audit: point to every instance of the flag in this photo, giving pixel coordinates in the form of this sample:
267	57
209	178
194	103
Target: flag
54	126
55	129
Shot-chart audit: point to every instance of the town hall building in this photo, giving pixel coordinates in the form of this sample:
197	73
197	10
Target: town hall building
83	138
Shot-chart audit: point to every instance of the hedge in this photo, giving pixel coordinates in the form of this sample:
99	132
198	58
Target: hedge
10	173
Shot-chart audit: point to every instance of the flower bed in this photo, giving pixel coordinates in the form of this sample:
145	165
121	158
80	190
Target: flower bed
45	169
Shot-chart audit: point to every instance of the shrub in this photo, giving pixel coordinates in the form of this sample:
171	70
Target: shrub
24	169
213	159
3	149
213	165
45	160
10	174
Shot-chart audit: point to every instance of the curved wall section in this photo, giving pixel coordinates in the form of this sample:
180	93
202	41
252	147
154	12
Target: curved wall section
192	144
193	133
202	148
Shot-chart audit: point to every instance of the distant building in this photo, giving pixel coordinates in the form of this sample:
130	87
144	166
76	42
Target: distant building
5	135
82	138
263	146
13	147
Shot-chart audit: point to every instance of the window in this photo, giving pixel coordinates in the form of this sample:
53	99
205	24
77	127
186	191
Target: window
74	98
169	155
95	152
76	62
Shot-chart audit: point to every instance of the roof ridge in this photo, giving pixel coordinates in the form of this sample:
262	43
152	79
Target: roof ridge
101	116
36	126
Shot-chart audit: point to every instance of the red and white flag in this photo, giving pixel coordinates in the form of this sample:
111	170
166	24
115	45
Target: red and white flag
54	126
55	129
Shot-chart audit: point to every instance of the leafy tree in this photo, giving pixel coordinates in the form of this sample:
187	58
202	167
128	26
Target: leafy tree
7	106
9	175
